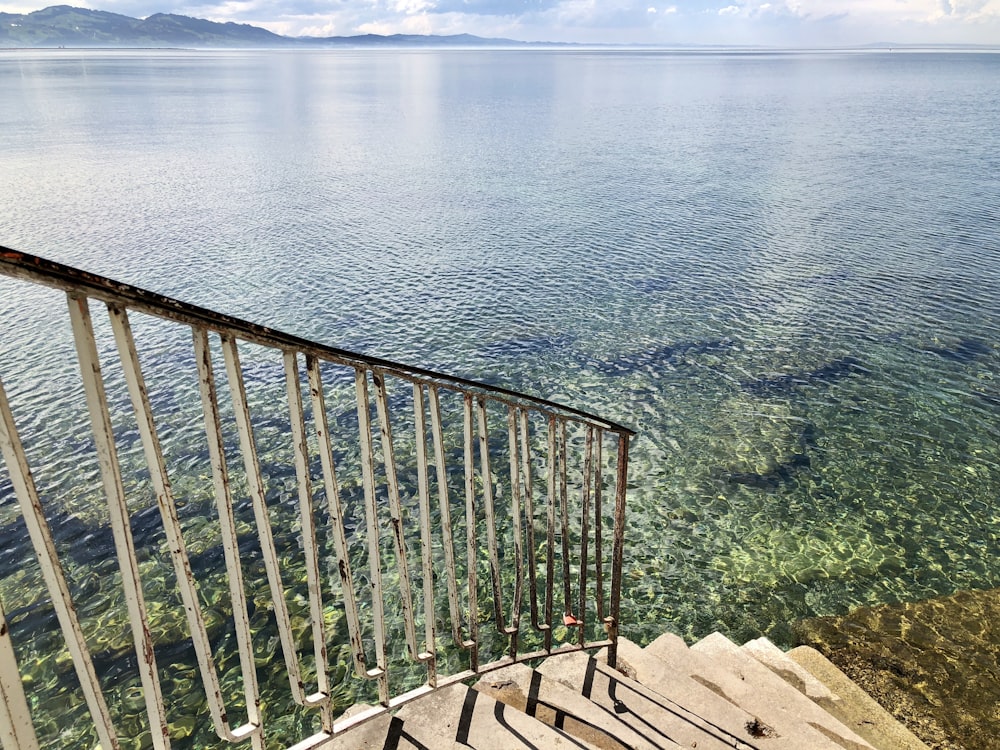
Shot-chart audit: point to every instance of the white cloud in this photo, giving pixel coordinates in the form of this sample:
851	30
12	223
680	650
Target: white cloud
421	24
411	7
729	10
887	14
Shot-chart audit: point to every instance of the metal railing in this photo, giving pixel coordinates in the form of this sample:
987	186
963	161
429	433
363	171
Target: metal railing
391	469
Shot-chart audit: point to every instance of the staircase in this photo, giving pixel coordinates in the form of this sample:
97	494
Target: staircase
711	696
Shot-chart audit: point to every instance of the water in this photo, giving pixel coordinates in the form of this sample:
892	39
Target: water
782	269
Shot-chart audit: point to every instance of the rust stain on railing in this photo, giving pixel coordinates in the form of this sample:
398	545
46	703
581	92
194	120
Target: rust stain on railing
562	447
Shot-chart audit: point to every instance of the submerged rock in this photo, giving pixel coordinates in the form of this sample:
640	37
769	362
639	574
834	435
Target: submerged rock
966	350
772	480
934	664
828	373
783	471
530	345
659	356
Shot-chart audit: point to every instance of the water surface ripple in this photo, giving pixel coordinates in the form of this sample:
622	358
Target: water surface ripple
783	270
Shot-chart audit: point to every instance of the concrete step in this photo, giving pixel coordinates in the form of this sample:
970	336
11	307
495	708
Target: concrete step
718	665
455	717
854	707
735	673
666	720
794	674
556	704
713	696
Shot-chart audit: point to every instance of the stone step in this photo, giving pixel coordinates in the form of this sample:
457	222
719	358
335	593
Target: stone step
743	679
854	707
704	698
759	688
556	704
455	717
714	695
794	674
666	720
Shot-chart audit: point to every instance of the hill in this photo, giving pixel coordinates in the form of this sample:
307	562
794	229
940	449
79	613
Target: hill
66	26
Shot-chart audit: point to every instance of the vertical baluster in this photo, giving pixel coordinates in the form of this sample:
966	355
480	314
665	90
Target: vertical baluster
550	544
248	448
55	581
430	649
372	527
444	503
336	517
568	618
171	522
489	510
584	535
230	541
617	558
598	523
395	513
16	730
470	535
515	515
107	458
529	520
318	627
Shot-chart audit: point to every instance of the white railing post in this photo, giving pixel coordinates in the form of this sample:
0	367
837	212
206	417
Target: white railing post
107	457
52	572
227	530
16	730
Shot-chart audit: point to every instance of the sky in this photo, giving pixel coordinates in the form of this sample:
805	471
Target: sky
780	23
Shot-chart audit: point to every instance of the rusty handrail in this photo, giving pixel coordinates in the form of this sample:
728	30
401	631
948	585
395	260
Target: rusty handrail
505	505
18	264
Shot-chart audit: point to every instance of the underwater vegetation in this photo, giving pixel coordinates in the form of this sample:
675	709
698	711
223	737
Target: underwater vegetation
654	284
831	372
773	479
519	347
659	356
966	350
782	471
991	399
84	544
90	547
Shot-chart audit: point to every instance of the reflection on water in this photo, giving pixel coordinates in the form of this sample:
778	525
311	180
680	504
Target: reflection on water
781	270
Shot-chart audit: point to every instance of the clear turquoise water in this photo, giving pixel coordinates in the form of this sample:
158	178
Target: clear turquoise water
782	269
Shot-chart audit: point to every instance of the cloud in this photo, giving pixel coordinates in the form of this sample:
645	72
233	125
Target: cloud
410	7
729	10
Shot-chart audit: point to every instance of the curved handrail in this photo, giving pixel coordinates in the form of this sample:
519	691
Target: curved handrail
18	264
535	441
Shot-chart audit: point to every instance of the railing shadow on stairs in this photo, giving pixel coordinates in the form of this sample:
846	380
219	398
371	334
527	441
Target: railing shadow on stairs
236	533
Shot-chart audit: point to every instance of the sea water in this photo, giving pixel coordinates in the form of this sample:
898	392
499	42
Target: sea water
781	268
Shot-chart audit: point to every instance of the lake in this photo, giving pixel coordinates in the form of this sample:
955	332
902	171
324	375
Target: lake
782	269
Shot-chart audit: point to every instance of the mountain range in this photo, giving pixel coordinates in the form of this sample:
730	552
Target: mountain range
66	26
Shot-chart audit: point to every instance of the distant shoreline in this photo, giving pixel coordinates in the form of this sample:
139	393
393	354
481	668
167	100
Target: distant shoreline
66	27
